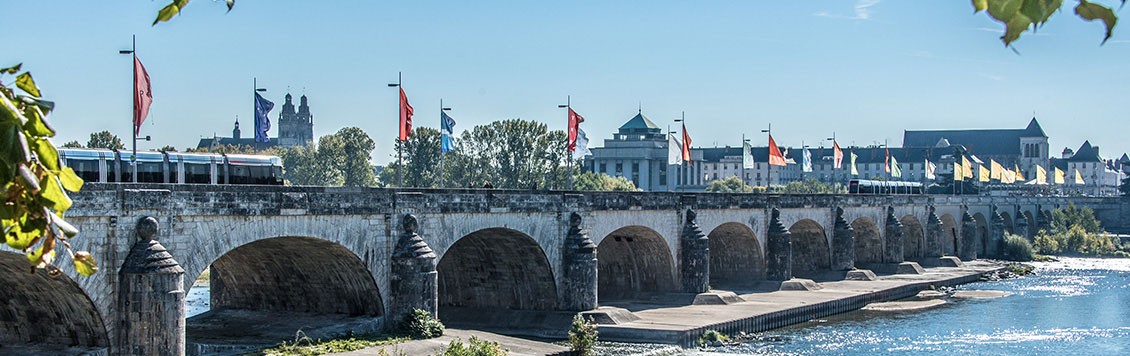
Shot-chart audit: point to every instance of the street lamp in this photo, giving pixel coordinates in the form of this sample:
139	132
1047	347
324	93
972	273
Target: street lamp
399	145
769	166
441	155
133	157
686	165
833	139
568	156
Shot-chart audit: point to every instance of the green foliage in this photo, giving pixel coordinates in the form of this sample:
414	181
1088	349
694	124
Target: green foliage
73	144
167	148
1020	15
175	7
1017	248
1064	219
474	347
809	186
712	337
33	181
348	151
421	325
105	139
603	182
1075	231
732	185
305	346
582	335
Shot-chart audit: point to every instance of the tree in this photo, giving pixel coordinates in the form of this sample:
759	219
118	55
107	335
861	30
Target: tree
73	144
167	148
811	186
34	180
732	185
1021	15
348	151
105	139
603	182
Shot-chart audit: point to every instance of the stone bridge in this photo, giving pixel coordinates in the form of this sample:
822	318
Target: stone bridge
376	253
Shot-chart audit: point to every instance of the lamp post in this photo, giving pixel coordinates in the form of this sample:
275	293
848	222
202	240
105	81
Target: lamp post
134	128
399	144
769	166
568	155
441	153
686	165
834	143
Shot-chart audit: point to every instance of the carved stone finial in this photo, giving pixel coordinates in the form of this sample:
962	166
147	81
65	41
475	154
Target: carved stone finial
410	223
775	214
691	216
840	222
147	228
574	220
932	217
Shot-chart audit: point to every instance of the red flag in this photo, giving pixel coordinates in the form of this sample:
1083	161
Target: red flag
775	156
574	124
837	156
686	145
142	94
887	161
405	116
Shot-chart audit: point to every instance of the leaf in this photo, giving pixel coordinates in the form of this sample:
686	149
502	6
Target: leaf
170	10
52	194
36	125
1039	11
1004	10
25	83
231	3
13	145
30	181
10	112
43	255
70	180
68	230
1014	27
85	264
12	69
1090	11
45	105
979	5
47	154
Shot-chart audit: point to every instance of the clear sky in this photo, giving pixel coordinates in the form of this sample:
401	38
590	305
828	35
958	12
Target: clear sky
865	70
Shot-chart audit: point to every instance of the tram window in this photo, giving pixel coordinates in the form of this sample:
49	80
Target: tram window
197	173
260	175
149	172
125	173
85	169
172	172
238	175
111	170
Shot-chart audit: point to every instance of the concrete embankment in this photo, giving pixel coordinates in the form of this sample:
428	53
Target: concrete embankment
760	311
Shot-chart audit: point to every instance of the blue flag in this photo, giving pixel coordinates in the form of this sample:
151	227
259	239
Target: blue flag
447	126
262	123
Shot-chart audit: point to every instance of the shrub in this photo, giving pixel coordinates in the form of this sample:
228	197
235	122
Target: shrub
712	337
474	347
582	336
421	325
1017	248
1049	244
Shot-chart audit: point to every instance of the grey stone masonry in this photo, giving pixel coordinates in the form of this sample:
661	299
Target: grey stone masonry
934	233
996	233
843	243
694	247
151	299
968	245
893	246
412	281
1022	226
579	287
779	250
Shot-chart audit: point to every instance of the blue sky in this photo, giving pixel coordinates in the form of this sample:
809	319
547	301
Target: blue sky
866	70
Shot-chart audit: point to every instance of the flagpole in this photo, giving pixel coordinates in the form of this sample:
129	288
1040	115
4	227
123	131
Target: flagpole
441	155
769	160
568	154
743	161
686	163
400	147
133	158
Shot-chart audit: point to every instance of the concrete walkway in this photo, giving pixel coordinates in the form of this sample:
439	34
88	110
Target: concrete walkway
517	346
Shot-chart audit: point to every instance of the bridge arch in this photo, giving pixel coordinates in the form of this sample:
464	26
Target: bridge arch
913	238
1033	227
950	241
632	260
496	268
45	312
868	242
1008	227
810	247
982	235
735	256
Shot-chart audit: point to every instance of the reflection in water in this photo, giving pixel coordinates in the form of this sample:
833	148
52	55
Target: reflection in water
1076	306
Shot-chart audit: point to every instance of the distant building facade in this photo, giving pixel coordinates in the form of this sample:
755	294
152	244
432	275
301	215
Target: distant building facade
638	152
293	128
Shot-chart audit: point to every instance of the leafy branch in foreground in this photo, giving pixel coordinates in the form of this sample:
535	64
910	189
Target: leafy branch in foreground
173	8
1020	15
33	181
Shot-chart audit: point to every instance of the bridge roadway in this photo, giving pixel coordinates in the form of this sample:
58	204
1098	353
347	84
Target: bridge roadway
374	254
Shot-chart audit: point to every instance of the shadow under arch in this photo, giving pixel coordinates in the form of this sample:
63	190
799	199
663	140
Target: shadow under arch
982	235
40	313
950	243
496	268
1033	228
1008	227
633	260
913	238
868	243
735	256
810	247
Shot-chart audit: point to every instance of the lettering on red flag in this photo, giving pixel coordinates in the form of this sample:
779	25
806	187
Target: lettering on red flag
142	94
405	116
575	121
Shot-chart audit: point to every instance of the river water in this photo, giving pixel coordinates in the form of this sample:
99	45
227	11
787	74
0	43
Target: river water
1072	307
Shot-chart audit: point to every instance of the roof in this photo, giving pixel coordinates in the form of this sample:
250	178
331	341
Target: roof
250	141
1085	153
1034	129
980	142
639	122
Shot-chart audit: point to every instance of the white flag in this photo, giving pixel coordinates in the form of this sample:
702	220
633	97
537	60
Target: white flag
930	170
747	155
674	151
807	160
582	149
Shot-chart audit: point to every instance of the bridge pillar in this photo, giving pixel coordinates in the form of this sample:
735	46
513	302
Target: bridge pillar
150	298
968	250
778	250
996	233
843	243
578	290
1022	226
694	247
934	233
413	277
892	242
1043	221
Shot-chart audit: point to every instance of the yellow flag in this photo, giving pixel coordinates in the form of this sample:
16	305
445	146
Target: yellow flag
957	173
1078	178
1008	176
995	170
982	173
1058	176
1041	175
966	167
1019	176
854	171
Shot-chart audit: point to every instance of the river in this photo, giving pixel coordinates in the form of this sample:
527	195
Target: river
1073	307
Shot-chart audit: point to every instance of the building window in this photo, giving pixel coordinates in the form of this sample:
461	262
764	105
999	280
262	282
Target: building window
663	174
603	167
619	168
636	173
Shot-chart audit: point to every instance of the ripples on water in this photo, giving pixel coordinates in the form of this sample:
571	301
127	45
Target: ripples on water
1075	306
